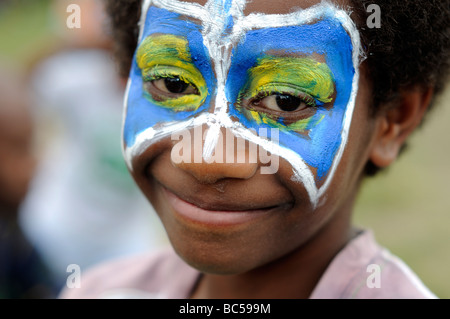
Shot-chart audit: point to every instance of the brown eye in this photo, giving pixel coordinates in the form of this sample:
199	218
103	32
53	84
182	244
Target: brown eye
174	85
288	103
281	102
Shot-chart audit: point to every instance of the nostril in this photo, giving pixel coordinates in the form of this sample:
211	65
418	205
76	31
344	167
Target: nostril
243	171
231	157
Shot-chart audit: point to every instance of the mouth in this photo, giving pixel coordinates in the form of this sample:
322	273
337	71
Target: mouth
215	214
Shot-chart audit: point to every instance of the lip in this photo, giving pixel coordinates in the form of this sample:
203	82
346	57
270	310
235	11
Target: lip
197	215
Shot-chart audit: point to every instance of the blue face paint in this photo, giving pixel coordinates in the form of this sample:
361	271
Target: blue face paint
142	113
326	40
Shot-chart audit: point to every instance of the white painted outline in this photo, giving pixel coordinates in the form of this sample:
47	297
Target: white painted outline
219	52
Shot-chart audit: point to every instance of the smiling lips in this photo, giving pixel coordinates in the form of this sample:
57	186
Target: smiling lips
211	216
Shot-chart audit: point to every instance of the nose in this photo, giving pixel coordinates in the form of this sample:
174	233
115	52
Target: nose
232	157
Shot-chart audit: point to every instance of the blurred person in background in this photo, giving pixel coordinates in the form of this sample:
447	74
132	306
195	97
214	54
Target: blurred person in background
22	272
83	206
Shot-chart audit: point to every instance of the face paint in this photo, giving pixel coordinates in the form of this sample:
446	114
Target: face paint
246	67
279	88
166	65
171	47
307	75
315	80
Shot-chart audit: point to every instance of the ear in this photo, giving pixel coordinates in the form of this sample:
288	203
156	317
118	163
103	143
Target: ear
396	123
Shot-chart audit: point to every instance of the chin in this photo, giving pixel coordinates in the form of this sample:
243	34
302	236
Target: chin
216	265
214	257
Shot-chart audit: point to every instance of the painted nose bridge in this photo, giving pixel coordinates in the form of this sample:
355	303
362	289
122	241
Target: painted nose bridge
232	157
219	108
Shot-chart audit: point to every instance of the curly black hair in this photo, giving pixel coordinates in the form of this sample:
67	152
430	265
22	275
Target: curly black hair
411	48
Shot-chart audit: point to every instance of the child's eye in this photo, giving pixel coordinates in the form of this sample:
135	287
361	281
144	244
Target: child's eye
280	105
174	85
170	78
282	102
174	88
286	92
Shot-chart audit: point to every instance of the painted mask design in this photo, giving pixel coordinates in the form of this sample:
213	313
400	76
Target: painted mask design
295	72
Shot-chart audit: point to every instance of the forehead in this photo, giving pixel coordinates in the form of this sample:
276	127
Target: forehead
282	6
228	21
216	27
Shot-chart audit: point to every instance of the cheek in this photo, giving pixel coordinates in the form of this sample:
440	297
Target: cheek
348	175
342	187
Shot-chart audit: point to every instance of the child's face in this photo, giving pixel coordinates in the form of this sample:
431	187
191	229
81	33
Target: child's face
233	69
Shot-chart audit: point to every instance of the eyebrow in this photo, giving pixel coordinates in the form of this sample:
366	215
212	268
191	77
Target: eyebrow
313	77
163	49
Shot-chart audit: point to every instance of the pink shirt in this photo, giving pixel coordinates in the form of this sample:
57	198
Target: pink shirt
362	270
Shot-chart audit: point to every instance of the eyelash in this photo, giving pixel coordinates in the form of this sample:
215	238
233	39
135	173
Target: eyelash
305	98
159	75
166	94
289	103
303	105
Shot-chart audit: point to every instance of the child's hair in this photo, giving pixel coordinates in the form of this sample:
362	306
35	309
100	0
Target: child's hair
411	48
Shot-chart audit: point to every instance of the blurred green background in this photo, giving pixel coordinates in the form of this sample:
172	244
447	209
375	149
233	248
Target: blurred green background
27	29
407	206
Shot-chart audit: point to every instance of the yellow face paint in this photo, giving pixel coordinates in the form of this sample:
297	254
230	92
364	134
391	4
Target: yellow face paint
168	56
303	78
308	75
263	118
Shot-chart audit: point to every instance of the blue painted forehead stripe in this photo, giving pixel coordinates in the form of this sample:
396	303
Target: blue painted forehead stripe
166	22
223	6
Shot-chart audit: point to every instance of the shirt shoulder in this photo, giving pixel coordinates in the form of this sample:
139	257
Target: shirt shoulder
157	275
365	270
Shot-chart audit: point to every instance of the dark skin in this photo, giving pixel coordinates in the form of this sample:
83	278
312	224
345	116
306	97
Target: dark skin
285	249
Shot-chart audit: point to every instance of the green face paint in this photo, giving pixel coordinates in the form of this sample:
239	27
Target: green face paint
298	126
168	57
302	78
